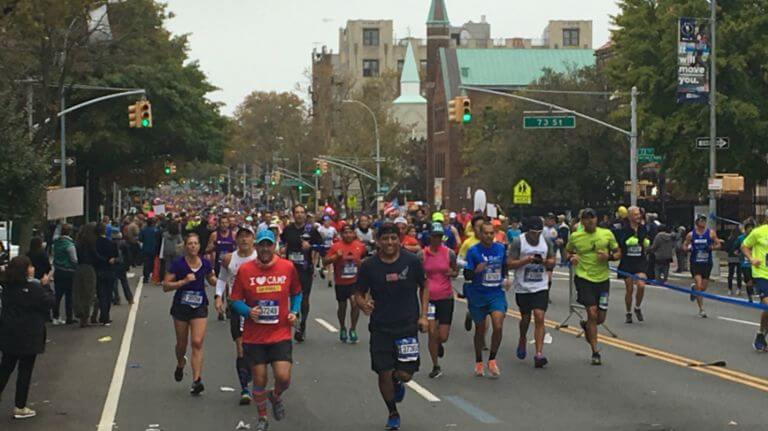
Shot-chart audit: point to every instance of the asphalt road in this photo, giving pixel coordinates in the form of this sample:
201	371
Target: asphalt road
646	382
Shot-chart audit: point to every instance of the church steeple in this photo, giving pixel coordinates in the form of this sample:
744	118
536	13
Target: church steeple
438	14
410	83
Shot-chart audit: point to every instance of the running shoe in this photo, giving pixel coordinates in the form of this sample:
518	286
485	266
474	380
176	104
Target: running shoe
639	314
760	344
330	285
493	369
628	318
23	413
738	292
221	317
436	372
262	425
278	409
440	350
539	361
353	336
479	369
693	297
178	375
596	359
245	397
521	348
197	387
322	273
343	335
468	322
393	423
298	336
702	314
399	390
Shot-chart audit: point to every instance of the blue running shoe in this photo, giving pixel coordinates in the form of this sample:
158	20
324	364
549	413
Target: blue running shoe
393	423
521	349
343	335
759	343
399	392
353	336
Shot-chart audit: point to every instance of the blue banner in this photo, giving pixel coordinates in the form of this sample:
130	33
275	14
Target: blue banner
693	61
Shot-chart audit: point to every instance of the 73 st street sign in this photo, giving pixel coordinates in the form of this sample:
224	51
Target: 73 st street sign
549	122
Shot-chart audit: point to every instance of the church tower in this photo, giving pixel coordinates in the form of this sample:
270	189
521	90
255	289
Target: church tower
438	37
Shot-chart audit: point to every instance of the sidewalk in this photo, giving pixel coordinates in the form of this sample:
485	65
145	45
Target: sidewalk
71	379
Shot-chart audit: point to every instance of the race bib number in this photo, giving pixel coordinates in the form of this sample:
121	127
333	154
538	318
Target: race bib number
492	276
192	299
702	256
407	349
533	274
296	257
431	311
634	251
349	270
602	303
269	312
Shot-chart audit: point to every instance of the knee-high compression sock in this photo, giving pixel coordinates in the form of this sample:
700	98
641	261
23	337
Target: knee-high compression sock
243	373
260	397
277	392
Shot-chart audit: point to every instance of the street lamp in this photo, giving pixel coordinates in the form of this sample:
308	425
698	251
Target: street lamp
378	145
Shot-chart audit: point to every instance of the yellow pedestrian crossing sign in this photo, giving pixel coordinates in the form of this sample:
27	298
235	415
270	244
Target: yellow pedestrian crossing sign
522	193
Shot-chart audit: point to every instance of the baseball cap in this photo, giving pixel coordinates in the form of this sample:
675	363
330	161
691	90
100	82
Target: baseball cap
265	235
326	217
438	216
588	213
701	217
452	215
245	228
534	223
495	222
437	229
401	220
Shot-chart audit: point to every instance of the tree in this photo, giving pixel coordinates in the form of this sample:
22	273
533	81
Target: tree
645	41
567	168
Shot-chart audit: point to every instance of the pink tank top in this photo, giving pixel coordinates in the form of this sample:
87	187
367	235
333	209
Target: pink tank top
436	267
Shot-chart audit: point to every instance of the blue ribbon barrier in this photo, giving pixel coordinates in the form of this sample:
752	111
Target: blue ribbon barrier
725	299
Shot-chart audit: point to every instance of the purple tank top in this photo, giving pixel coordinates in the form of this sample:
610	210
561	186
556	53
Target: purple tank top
224	244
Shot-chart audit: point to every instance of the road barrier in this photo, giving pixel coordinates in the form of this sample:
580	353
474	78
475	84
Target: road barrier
574	308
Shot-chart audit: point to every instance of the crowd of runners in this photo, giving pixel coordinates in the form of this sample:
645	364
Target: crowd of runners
403	269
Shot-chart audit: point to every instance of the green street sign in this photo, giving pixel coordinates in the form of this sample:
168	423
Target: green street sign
384	189
649	158
646	151
549	122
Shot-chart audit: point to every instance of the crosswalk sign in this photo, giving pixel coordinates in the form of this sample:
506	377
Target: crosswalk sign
522	193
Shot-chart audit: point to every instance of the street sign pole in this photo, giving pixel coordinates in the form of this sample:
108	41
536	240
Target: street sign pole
633	151
713	128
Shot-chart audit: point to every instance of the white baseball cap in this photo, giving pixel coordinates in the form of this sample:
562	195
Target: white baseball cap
401	220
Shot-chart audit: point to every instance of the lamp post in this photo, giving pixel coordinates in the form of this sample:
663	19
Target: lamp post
378	144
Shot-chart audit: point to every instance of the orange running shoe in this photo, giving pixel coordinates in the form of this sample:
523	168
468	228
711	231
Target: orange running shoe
493	369
479	369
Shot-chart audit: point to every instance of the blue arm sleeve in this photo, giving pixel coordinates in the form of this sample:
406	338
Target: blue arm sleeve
296	303
241	308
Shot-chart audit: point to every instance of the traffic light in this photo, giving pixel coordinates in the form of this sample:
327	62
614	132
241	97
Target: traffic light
145	113
173	168
167	168
133	115
460	110
453	110
466	110
301	187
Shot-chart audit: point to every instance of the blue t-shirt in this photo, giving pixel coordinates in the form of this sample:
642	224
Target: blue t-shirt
512	234
192	294
494	273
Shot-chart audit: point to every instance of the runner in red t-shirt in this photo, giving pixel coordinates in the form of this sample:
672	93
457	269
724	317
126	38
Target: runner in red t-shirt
267	292
345	256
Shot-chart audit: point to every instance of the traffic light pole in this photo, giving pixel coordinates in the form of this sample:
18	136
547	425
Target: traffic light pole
632	134
62	115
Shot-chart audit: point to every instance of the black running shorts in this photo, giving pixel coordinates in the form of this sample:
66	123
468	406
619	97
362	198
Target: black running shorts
185	313
590	293
260	354
386	354
527	302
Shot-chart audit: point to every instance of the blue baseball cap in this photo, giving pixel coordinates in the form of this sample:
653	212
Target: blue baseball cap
265	235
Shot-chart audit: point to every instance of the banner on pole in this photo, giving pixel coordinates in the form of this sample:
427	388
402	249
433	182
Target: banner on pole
693	62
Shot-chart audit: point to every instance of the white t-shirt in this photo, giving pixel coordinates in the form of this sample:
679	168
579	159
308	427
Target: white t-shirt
328	234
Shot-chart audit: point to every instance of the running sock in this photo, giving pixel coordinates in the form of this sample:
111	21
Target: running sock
492	356
391	406
260	397
243	373
278	390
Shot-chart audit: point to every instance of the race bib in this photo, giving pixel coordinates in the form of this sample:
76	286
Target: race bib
349	270
702	256
193	299
533	273
634	251
431	311
407	349
269	312
492	276
602	303
296	257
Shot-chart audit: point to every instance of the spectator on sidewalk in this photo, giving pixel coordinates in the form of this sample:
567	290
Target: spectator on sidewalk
171	247
84	286
64	264
121	268
148	242
680	251
26	306
663	247
38	255
105	273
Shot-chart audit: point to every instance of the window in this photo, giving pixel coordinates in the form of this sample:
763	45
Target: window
440	119
571	37
440	165
423	64
371	36
400	64
370	68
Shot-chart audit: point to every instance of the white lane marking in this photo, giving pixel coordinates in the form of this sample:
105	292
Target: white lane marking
118	376
738	321
327	325
421	390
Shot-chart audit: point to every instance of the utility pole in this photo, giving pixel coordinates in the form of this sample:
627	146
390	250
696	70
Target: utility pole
633	150
713	125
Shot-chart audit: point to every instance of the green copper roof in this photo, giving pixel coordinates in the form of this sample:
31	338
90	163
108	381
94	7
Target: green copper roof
410	72
438	14
516	67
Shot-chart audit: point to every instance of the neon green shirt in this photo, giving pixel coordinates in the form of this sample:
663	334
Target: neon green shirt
757	241
586	245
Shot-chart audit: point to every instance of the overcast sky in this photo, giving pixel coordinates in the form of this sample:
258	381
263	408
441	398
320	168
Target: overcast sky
247	45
